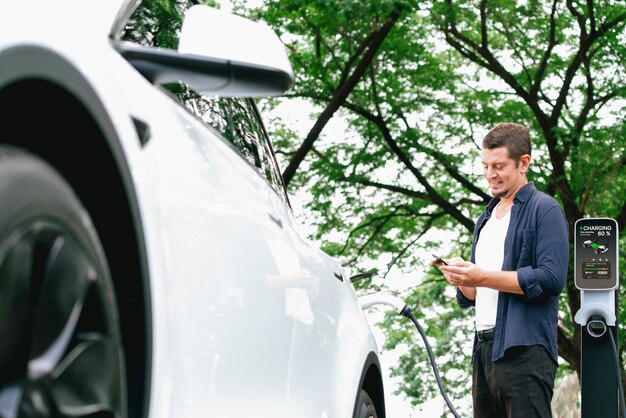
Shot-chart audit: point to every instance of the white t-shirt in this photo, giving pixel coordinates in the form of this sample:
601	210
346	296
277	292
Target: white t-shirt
489	256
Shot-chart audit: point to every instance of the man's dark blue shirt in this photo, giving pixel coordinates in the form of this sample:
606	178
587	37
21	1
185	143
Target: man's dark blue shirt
537	247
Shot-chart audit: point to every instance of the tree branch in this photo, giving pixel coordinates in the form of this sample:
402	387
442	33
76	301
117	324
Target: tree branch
568	350
377	230
384	218
592	15
586	40
440	157
362	47
319	40
434	196
520	60
391	188
579	16
608	25
426	228
584	113
455	174
340	95
484	42
621	218
541	70
483	57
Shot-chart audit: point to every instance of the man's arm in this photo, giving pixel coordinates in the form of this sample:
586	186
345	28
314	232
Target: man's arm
552	256
468	292
468	276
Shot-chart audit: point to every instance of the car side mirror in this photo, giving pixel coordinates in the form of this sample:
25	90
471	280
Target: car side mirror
219	53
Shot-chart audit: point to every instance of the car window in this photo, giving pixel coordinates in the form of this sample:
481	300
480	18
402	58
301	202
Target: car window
239	122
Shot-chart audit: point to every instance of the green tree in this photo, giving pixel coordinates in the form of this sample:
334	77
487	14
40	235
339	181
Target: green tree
418	84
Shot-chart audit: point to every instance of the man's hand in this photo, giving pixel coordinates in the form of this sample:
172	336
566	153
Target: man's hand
463	273
453	276
468	276
456	262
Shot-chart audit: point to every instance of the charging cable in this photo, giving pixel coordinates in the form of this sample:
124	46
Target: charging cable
404	310
613	337
597	327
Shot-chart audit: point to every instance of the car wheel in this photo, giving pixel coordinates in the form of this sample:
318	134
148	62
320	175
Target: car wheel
365	406
60	345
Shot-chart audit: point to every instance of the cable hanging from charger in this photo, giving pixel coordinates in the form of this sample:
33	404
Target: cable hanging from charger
379	298
613	337
408	312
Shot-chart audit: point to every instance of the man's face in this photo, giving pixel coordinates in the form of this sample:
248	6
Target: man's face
504	176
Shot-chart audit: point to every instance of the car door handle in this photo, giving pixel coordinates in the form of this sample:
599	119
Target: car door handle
361	276
276	220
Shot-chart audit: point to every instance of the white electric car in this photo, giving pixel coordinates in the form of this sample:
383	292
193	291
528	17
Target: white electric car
150	264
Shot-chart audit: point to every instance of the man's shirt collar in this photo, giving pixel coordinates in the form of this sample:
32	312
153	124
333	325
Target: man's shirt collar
522	195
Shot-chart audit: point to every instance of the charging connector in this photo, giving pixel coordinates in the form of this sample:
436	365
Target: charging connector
405	310
367	301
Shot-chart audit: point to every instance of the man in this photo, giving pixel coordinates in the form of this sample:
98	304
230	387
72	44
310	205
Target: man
520	255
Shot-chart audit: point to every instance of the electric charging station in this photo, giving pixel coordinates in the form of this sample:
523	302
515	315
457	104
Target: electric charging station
596	274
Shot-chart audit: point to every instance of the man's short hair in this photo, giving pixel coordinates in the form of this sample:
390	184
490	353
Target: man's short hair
513	136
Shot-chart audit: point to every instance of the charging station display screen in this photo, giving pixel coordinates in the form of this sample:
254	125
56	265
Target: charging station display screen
596	270
595	253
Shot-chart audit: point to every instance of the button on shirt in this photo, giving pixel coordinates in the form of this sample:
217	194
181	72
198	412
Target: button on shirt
537	247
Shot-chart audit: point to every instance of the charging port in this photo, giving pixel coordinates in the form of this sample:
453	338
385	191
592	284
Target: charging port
596	327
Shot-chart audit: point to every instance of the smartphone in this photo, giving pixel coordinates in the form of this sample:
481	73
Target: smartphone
440	260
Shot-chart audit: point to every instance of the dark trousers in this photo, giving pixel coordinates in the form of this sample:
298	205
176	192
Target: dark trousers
517	386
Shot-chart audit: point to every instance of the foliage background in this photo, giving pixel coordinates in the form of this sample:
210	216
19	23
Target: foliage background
418	84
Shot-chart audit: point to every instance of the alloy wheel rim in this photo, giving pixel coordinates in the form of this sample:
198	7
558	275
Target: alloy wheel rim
59	355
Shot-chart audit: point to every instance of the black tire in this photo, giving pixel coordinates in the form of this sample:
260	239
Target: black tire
60	347
365	407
